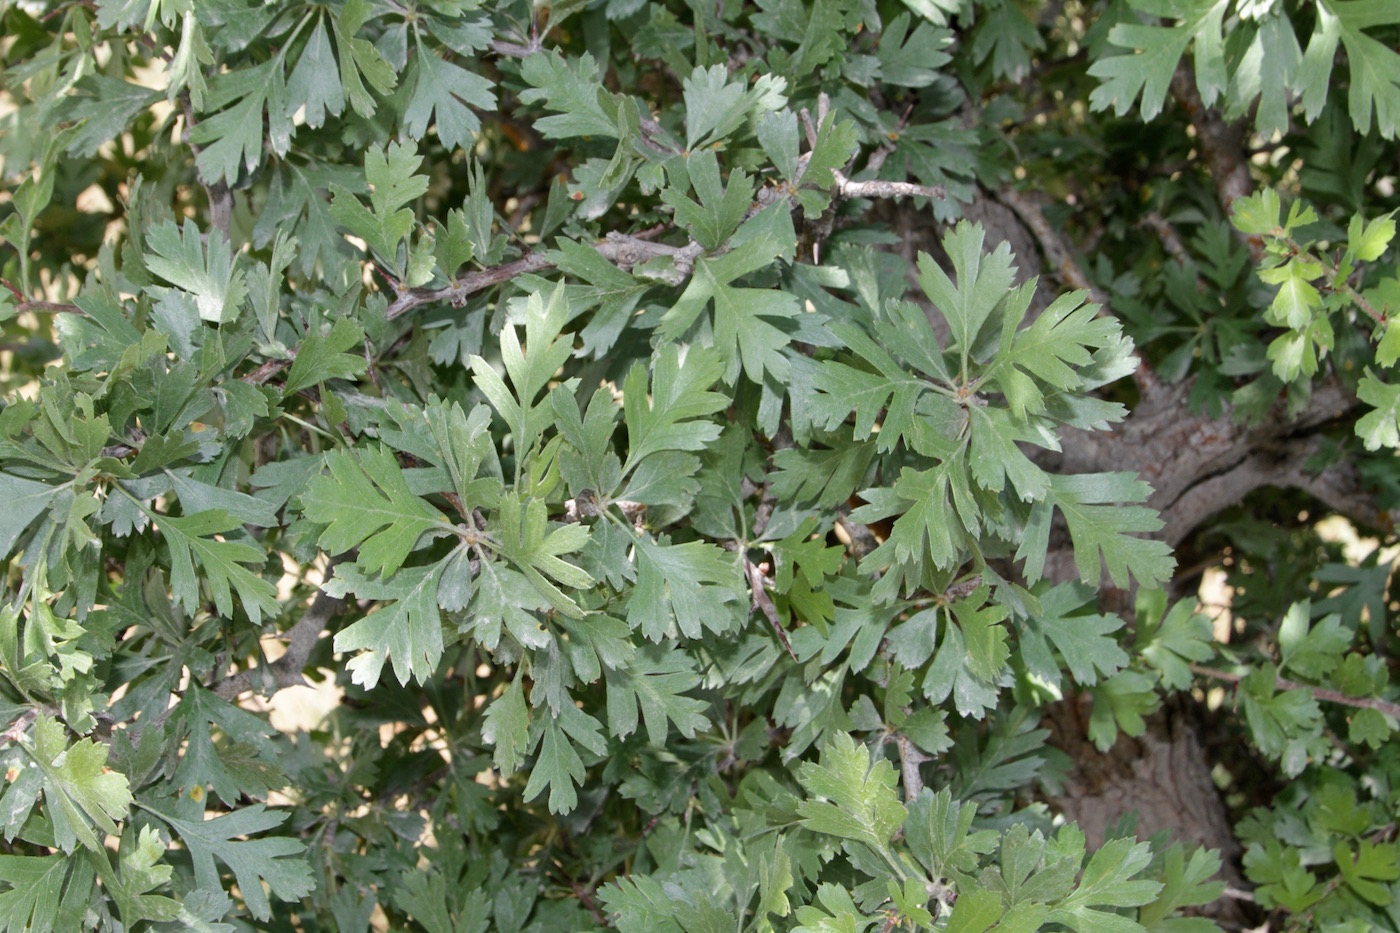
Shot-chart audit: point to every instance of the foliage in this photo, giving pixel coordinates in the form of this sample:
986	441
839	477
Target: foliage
689	541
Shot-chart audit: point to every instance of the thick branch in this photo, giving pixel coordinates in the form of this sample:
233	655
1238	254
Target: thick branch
286	670
1222	144
1339	487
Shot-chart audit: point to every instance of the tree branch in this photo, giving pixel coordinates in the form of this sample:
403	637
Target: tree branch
1222	144
910	757
1322	693
286	670
220	198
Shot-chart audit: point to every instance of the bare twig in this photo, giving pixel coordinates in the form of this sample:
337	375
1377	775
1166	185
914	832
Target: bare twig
1384	707
910	757
764	603
877	188
1171	240
20	725
218	194
624	249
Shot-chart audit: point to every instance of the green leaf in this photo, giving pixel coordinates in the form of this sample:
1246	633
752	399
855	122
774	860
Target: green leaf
359	57
102	107
449	91
393	184
1108	882
1121	702
1366	869
939	833
1099	529
365	502
912	59
271	860
246	763
683	587
1084	641
44	892
983	280
722	207
1154	53
315	82
983	634
1380	427
83	798
743	328
231	140
1297	300
1184	884
409	632
1375	68
216	284
851	797
615	293
572	89
192	536
1173	641
558	766
838	913
25	500
1287	725
656	680
667	416
1311	651
536	551
530	368
337	355
507	728
1367	241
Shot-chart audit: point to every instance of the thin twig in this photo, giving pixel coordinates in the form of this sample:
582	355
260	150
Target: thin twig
220	198
764	603
1322	693
910	757
878	188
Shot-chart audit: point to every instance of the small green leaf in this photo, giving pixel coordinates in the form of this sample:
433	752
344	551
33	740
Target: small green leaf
852	798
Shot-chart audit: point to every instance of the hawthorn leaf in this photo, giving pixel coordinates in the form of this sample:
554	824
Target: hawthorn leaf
1084	641
851	797
449	91
1172	641
656	680
1154	52
681	589
83	798
214	280
192	538
408	633
572	89
1381	426
44	891
274	860
364	501
1100	530
558	766
25	500
507	728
